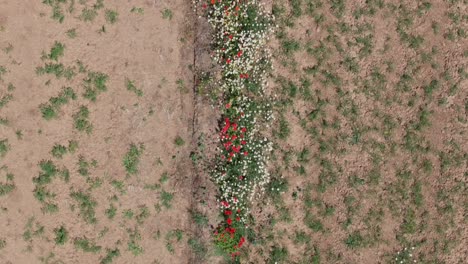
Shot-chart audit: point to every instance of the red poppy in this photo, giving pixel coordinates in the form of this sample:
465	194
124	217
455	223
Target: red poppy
228	106
239	53
225	204
243	142
243	130
237	218
241	242
245	153
229	221
230	36
227	145
234	137
228	212
213	2
226	127
228	61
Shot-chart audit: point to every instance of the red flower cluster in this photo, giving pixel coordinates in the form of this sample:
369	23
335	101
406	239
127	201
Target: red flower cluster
232	139
241	242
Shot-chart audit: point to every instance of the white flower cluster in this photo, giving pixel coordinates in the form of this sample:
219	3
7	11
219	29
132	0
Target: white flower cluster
241	31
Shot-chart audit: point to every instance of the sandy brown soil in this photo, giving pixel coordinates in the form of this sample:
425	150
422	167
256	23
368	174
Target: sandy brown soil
153	52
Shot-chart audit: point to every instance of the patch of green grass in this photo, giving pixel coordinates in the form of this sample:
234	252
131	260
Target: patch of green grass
4	121
71	33
278	255
58	151
61	235
57	69
132	158
3	71
166	199
178	141
87	206
4	147
355	240
110	256
111	212
119	185
137	10
200	219
88	14
81	121
132	88
4	100
132	244
57	12
56	51
50	110
86	245
197	247
8	48
143	214
128	213
72	146
111	16
284	129
94	84
6	188
84	166
167	14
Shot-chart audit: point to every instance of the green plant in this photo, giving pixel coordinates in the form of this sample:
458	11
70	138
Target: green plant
56	51
167	14
87	206
179	141
132	243
110	256
132	158
61	235
355	240
137	10
111	212
58	151
131	87
88	14
197	247
86	245
278	255
71	33
200	219
4	100
4	147
111	16
166	199
94	84
81	121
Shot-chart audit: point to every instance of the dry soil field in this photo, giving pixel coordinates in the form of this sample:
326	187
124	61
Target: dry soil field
107	138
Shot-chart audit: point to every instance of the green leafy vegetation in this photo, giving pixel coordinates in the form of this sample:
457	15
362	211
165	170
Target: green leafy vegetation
132	158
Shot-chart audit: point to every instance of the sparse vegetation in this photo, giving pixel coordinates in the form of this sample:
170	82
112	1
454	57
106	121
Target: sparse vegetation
132	158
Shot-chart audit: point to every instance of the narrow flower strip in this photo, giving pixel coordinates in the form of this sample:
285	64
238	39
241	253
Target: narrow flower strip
240	32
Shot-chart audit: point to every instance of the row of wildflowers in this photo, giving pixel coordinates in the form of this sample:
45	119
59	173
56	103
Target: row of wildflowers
241	29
